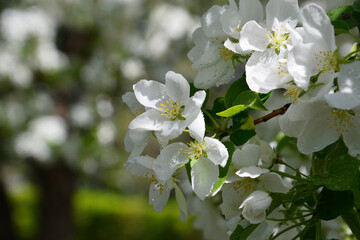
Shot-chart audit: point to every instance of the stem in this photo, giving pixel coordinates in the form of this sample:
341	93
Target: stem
352	219
292	168
290	176
318	233
287	219
211	118
291	227
274	113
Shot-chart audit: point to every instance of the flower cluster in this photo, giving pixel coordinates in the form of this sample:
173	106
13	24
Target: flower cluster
288	49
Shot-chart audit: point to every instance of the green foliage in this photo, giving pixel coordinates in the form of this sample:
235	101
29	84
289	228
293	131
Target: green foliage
334	203
241	233
239	137
245	100
107	215
344	17
234	90
343	174
357	5
223	171
324	158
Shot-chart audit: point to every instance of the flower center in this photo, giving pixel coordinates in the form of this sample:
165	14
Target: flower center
194	151
153	179
341	119
172	109
225	53
278	38
138	111
245	186
326	61
292	94
282	68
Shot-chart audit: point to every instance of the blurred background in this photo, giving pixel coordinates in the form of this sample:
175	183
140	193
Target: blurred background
64	65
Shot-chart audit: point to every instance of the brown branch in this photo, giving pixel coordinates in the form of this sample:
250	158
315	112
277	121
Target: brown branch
274	113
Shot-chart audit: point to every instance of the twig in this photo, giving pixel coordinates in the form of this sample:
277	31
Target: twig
274	113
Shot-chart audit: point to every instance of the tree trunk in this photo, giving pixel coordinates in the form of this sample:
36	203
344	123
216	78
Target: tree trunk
6	223
56	184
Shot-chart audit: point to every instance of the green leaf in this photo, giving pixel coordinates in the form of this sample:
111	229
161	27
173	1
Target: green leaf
345	14
357	5
352	219
242	121
324	158
232	111
250	99
265	96
336	14
223	171
246	99
188	171
343	174
241	233
239	137
218	106
334	203
234	90
340	26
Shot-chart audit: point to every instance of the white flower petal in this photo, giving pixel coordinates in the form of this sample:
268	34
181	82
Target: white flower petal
170	158
251	10
248	156
220	73
231	201
317	135
139	165
255	205
181	201
266	71
149	93
210	22
177	86
317	23
253	37
204	175
159	195
274	183
230	21
351	137
282	10
252	171
216	151
150	120
134	105
197	128
139	138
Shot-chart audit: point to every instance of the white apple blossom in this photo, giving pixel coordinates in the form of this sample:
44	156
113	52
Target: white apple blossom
216	41
159	191
317	53
135	140
255	205
211	59
170	109
316	124
246	175
267	68
205	155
